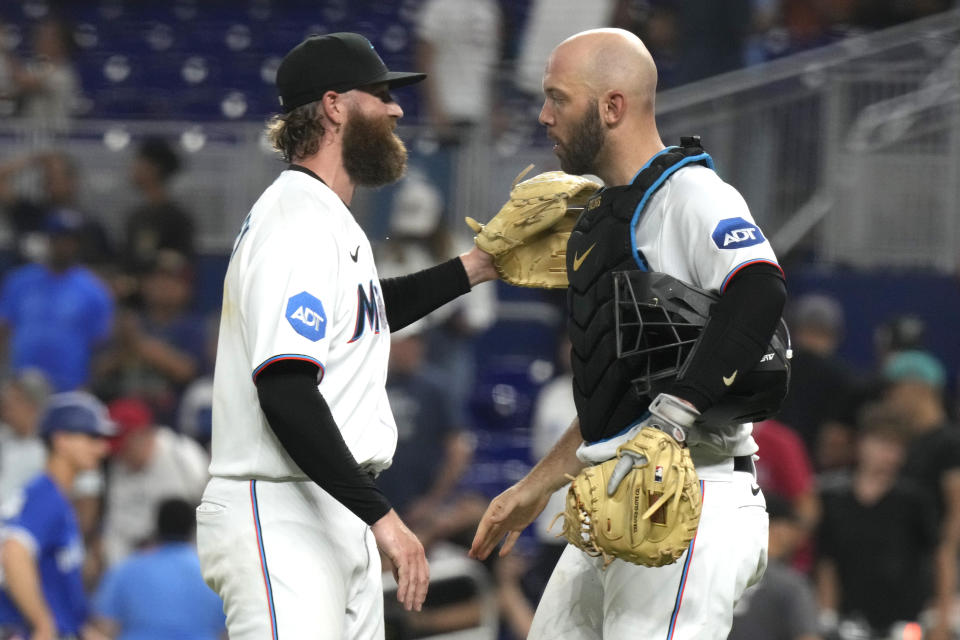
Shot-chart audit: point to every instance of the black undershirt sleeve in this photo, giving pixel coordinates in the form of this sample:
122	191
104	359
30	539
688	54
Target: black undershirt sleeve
301	419
736	335
408	298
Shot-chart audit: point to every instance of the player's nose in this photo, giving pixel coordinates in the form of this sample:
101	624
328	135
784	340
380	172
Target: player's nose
546	117
394	110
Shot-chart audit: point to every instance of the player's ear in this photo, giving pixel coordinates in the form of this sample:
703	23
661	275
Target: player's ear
334	107
613	107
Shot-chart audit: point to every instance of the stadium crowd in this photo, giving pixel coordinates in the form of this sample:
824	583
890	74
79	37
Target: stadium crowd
101	340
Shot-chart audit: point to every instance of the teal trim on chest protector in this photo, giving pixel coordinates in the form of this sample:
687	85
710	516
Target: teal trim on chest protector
702	158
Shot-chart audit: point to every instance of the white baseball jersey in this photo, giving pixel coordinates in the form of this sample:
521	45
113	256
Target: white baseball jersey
698	229
301	285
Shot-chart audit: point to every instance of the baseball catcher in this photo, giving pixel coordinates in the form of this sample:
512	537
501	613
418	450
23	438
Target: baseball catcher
674	299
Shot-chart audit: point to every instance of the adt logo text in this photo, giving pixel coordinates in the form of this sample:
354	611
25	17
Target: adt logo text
306	315
734	233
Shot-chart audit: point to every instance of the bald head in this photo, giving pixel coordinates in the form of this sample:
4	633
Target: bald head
602	60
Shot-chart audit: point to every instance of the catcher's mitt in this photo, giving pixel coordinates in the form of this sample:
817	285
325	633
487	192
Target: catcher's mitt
653	513
528	236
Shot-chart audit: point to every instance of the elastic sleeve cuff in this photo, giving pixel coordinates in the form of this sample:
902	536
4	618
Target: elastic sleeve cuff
21	535
289	356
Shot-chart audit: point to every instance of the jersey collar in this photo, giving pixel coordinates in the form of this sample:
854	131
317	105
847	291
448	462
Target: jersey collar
303	169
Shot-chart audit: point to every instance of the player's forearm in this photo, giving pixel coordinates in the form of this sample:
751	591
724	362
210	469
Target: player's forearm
409	298
551	472
23	585
736	335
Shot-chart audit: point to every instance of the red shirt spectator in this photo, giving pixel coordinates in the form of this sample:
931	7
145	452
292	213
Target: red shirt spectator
784	469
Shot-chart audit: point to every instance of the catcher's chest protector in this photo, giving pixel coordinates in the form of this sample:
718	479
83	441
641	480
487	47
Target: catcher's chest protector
601	243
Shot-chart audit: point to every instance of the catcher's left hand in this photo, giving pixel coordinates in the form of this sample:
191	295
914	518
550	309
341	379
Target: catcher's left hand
642	506
528	236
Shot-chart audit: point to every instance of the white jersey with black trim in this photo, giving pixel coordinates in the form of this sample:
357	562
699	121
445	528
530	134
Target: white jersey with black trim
301	285
698	229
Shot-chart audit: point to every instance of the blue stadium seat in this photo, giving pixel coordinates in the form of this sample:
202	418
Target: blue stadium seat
239	43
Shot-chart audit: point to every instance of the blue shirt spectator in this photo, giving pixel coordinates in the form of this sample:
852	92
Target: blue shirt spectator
43	520
159	349
56	313
159	593
42	547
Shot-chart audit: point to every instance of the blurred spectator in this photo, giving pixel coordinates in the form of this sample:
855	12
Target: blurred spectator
150	463
915	382
458	46
195	417
160	349
42	549
418	240
46	87
427	430
657	25
784	472
900	333
711	37
159	593
782	605
880	14
22	454
53	315
823	396
433	452
877	534
159	223
59	185
553	413
550	22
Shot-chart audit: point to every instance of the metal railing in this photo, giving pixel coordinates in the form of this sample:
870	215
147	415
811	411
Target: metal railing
851	151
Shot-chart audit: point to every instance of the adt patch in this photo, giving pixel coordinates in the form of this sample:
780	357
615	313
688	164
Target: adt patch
736	233
306	315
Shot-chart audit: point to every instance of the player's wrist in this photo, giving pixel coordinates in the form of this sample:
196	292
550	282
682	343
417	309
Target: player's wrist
385	521
672	415
479	266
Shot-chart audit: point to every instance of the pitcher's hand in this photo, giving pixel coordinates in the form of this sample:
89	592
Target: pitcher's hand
410	567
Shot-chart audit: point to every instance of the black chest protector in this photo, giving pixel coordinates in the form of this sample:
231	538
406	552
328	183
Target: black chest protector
601	243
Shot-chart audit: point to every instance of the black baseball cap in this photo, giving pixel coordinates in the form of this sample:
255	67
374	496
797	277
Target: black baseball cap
333	62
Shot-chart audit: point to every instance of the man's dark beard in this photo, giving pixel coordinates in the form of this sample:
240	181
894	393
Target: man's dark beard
579	154
372	154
